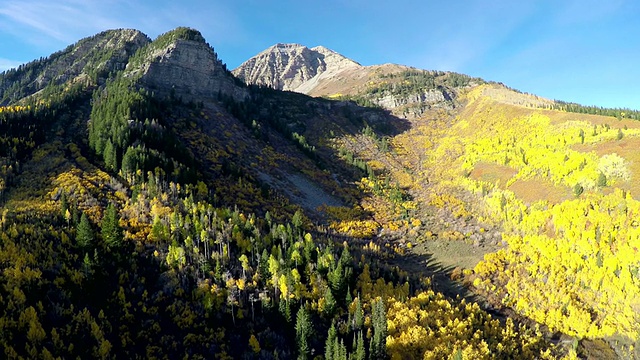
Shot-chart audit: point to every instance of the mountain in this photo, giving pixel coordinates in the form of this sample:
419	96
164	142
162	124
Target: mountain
293	67
154	205
322	72
185	66
91	59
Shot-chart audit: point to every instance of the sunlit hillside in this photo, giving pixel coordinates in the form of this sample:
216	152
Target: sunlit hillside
559	187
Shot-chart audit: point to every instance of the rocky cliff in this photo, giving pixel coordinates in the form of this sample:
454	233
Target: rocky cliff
293	67
180	63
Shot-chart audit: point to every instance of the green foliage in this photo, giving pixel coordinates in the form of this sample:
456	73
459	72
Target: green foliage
330	344
602	180
377	346
304	331
84	232
123	134
110	228
596	110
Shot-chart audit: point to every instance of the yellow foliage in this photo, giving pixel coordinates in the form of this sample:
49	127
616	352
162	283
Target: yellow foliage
254	344
429	326
572	266
357	228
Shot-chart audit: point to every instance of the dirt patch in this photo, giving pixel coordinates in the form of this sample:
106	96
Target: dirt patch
451	254
302	191
493	173
533	190
626	148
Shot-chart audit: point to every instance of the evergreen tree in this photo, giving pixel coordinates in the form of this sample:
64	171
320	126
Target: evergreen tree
358	316
109	155
111	230
357	347
338	283
84	232
303	333
602	180
329	303
297	220
330	344
377	346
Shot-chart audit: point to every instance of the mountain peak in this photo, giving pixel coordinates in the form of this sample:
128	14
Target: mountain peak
180	62
292	66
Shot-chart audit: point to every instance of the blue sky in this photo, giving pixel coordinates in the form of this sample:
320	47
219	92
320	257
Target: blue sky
584	51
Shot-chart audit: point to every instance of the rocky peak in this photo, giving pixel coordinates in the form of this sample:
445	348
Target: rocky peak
292	67
180	63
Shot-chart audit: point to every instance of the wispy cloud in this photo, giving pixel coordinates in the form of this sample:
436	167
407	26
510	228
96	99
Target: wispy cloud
61	21
461	41
64	21
6	64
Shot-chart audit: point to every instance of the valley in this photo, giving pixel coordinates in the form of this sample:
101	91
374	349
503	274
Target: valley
157	205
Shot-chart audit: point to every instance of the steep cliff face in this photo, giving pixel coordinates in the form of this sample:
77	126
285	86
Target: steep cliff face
293	67
184	66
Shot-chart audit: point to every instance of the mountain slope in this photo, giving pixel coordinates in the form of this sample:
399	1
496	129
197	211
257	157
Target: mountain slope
89	60
481	163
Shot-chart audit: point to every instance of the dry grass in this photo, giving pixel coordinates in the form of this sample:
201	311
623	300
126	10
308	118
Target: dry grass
493	173
626	148
533	190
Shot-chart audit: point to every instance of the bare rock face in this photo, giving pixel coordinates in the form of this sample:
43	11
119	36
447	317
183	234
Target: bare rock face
188	69
292	67
429	97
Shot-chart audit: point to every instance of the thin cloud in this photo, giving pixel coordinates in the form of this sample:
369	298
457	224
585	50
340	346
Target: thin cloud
60	21
458	44
6	64
67	21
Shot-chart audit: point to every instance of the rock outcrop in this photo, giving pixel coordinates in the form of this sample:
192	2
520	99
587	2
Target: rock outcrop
293	67
187	68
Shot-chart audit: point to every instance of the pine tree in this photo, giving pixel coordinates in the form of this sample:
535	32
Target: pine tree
330	344
303	333
329	303
111	230
358	316
602	180
377	347
84	232
109	155
337	282
359	348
